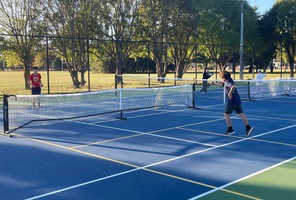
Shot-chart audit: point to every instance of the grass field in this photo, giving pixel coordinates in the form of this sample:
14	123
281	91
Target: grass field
12	82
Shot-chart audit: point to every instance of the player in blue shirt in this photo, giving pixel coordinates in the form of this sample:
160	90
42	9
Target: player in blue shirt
233	103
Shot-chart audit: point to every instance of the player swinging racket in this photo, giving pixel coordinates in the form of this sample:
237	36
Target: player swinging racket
205	76
233	103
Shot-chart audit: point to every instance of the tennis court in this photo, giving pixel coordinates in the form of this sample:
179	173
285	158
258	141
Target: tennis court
169	151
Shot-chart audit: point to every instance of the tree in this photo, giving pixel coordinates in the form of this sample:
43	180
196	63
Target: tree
182	32
153	26
22	22
219	28
286	28
11	58
117	22
71	24
253	37
269	42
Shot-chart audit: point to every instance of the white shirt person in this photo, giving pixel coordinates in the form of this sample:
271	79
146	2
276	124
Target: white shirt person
260	76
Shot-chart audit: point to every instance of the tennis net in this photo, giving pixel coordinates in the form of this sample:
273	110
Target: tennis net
247	89
18	110
253	89
132	81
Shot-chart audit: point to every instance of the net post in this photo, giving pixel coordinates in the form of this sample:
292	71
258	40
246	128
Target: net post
121	116
5	114
120	105
287	88
193	98
249	90
193	95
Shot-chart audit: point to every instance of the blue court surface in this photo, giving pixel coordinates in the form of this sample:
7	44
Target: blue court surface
173	152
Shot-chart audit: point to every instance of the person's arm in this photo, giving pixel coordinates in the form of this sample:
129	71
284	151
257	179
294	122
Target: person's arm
230	93
220	84
29	82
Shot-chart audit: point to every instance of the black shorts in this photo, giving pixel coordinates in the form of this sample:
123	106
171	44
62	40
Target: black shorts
230	108
36	91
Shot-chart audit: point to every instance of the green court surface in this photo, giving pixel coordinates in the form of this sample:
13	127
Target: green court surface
278	183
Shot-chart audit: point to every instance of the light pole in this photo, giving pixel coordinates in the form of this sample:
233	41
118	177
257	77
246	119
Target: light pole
241	60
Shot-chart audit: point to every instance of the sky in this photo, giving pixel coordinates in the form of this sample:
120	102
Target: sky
263	5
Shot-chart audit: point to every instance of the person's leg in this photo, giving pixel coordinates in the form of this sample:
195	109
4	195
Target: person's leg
228	120
204	86
207	85
249	129
257	85
244	118
261	86
38	93
33	92
227	112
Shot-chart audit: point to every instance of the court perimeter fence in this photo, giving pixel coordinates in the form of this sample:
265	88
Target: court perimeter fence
90	56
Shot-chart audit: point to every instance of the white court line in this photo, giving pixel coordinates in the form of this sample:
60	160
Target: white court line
241	179
151	132
182	140
153	164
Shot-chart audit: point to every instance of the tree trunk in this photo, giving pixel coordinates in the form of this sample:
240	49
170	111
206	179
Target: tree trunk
119	72
75	79
291	68
180	69
26	76
82	78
